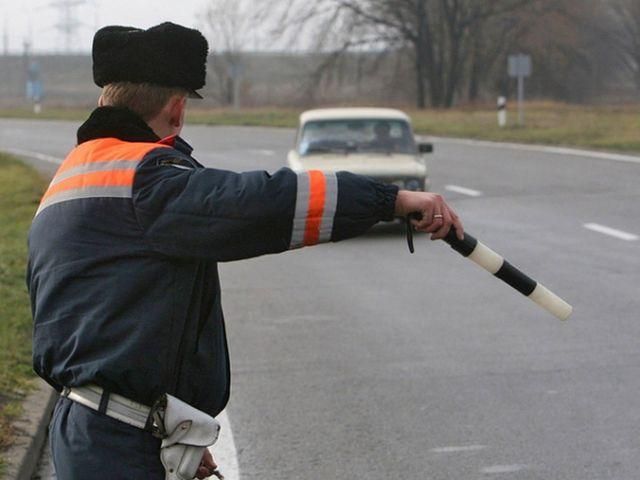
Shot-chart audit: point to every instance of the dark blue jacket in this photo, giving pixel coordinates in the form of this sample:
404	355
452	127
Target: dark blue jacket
124	248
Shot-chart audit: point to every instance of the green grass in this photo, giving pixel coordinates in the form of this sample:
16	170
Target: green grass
48	113
248	118
20	191
601	128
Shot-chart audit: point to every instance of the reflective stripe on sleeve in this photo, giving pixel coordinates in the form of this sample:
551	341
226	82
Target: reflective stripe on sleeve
300	215
316	201
317	190
330	204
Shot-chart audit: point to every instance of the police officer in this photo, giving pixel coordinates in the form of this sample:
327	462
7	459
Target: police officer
123	249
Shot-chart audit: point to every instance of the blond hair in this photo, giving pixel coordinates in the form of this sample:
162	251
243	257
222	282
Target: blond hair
145	99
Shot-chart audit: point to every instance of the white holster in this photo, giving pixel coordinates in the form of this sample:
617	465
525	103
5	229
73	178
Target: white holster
186	432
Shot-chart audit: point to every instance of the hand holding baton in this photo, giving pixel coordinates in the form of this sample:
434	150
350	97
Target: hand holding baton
496	265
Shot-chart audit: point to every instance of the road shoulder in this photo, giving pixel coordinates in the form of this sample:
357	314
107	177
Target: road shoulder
30	432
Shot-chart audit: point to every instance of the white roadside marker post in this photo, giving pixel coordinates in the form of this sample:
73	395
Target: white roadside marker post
502	112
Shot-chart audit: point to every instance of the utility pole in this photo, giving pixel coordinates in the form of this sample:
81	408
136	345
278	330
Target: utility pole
5	38
67	24
26	59
236	71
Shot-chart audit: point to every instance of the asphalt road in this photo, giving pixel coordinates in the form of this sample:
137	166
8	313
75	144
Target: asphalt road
358	360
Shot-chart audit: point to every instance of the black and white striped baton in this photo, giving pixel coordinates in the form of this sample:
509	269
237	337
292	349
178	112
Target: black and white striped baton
495	264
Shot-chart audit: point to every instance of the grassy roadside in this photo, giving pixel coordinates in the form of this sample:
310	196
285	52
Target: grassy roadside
599	128
20	191
283	118
48	113
549	123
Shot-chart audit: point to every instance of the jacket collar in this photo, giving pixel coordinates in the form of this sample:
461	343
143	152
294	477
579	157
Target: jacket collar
123	124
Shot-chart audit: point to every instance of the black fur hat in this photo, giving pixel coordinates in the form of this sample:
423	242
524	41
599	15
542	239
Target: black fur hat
167	54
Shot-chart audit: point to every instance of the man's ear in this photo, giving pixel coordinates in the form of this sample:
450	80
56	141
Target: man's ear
177	106
101	101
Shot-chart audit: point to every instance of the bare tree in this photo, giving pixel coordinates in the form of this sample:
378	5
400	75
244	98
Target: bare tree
439	34
447	49
490	43
230	26
572	50
626	35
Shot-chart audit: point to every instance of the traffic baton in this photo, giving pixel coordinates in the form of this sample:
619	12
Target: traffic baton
496	265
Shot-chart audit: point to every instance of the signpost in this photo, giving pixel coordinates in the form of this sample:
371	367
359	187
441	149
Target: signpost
235	70
519	66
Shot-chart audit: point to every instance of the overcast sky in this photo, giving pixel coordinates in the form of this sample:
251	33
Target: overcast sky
37	20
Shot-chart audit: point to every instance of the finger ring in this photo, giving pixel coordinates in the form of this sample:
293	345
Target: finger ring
438	216
217	473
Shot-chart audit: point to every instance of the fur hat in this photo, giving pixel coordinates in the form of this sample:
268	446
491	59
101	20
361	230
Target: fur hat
167	54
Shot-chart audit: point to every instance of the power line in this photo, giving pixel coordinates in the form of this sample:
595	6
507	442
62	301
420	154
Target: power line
68	24
5	38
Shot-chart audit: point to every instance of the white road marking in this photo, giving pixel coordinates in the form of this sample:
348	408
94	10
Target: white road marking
224	451
618	157
456	449
502	469
37	155
613	232
463	190
268	153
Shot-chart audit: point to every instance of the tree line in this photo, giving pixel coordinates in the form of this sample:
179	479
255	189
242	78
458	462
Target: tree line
456	50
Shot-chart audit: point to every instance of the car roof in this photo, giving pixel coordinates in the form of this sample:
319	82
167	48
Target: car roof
353	113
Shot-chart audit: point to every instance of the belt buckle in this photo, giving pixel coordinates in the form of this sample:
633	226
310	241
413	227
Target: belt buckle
156	418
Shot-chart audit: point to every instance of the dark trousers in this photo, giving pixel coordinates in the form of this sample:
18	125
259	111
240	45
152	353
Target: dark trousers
87	445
